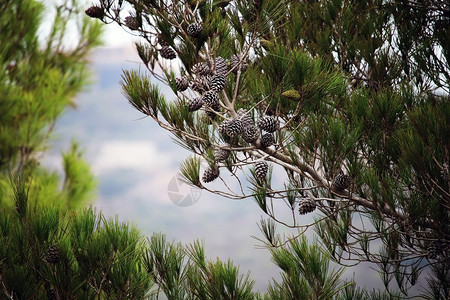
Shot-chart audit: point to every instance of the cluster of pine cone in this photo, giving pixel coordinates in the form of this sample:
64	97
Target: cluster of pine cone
209	78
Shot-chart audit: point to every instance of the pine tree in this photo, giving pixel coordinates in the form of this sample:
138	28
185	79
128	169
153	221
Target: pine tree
360	90
48	251
38	81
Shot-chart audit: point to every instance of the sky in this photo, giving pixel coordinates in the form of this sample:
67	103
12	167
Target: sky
136	165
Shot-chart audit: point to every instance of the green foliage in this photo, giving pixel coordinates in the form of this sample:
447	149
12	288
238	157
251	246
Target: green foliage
138	88
184	273
190	169
39	78
48	252
94	256
216	279
306	272
75	192
168	268
78	182
351	292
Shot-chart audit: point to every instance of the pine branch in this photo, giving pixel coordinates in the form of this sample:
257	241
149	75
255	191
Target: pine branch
324	183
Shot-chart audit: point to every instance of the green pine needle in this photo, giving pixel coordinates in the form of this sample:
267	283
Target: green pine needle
190	169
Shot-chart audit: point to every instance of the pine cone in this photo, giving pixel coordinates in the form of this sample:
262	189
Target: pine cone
210	110
132	23
201	84
162	42
52	255
194	29
195	104
201	68
218	83
235	65
95	12
181	83
222	154
267	140
167	52
250	133
223	128
306	206
245	117
211	99
261	168
215	106
268	123
211	174
234	128
220	66
341	182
